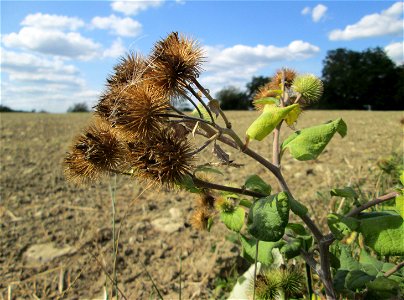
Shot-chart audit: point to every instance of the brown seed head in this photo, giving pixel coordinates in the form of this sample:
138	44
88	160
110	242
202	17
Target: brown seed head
96	151
200	218
175	61
130	69
289	76
163	158
265	91
134	109
206	200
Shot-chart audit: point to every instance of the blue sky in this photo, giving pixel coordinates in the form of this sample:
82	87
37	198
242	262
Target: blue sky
57	53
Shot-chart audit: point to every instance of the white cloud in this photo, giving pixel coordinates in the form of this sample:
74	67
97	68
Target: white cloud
317	13
35	82
14	62
388	22
40	20
237	64
244	56
54	42
48	97
117	49
119	26
27	67
396	52
133	7
306	10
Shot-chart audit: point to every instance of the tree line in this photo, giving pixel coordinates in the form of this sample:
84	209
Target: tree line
352	80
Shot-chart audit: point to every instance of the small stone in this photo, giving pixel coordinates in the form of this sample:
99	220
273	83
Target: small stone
43	253
167	225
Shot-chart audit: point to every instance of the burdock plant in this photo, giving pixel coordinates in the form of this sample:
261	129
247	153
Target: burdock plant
137	131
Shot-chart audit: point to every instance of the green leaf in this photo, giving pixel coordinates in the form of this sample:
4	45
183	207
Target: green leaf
297	208
400	205
188	184
268	217
233	220
204	112
297	228
256	184
292	117
268	120
210	224
370	265
267	100
264	250
245	203
341	226
339	280
384	234
214	106
356	280
207	169
308	143
402	177
382	288
346	192
292	248
347	261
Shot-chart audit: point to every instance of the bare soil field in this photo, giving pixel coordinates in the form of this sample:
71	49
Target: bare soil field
56	238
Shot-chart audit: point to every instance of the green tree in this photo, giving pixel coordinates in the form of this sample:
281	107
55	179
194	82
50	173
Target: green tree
232	98
78	107
354	79
255	83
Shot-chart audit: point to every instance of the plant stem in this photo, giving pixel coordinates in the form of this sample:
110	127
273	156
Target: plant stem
194	105
177	110
394	269
185	117
325	272
106	273
255	267
308	280
207	143
374	202
112	188
201	102
275	149
205	184
208	96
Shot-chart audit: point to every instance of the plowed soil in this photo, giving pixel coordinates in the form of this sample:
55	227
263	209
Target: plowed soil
74	224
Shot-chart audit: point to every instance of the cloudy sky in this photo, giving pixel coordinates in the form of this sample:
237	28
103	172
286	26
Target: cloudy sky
56	53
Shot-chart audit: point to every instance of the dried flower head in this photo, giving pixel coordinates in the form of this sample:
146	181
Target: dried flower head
96	151
175	61
289	77
130	69
206	199
108	102
268	90
136	109
200	218
163	158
